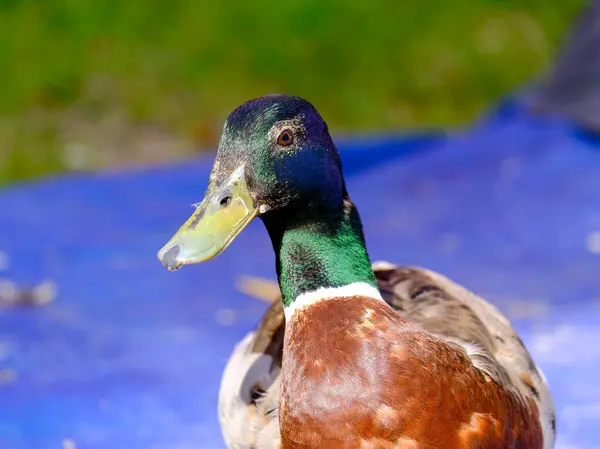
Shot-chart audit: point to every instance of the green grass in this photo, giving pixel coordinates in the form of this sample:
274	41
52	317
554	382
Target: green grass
182	65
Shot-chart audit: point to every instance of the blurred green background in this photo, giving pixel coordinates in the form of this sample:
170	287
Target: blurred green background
105	83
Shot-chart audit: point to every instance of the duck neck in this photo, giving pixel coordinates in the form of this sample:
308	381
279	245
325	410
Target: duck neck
320	253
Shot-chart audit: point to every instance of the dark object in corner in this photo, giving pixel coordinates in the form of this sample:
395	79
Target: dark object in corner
571	88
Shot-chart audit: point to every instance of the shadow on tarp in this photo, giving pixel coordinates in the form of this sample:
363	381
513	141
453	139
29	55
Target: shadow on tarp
130	355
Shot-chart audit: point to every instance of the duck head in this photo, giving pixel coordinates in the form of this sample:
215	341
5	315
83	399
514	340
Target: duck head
275	159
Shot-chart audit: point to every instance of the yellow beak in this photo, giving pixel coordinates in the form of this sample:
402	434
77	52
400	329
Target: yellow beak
224	212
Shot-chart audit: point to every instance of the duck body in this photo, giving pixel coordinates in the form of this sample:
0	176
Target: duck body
456	338
359	358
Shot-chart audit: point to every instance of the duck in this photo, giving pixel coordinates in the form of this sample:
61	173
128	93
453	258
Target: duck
350	355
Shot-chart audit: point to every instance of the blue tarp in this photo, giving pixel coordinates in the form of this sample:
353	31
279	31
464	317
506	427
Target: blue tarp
130	356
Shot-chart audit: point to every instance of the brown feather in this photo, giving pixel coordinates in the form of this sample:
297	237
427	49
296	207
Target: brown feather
481	358
269	335
344	385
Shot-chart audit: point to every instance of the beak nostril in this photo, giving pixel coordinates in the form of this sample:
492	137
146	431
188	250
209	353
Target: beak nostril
225	201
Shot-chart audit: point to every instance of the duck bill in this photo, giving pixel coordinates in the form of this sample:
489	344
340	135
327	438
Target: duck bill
224	212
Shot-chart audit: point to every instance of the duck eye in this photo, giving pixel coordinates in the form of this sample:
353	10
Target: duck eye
286	137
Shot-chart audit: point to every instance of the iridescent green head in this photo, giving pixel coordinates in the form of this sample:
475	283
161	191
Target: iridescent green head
276	160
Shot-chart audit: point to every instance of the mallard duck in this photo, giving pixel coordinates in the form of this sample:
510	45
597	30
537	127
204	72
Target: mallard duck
357	370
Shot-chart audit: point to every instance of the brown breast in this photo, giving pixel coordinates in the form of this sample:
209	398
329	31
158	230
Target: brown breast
358	375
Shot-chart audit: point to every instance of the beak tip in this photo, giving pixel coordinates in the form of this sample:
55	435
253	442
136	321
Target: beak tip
168	257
